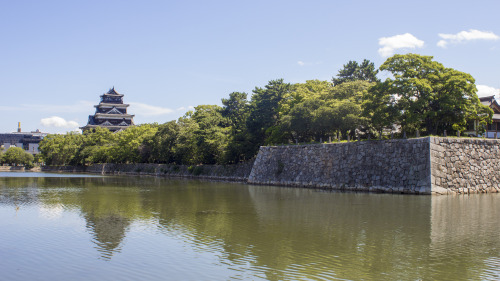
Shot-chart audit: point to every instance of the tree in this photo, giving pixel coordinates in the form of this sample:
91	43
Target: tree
212	135
428	96
302	119
17	156
128	144
185	151
163	143
316	109
353	71
380	108
60	149
237	109
311	89
265	112
95	146
352	91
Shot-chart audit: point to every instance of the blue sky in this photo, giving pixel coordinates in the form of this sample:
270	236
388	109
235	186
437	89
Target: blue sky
57	57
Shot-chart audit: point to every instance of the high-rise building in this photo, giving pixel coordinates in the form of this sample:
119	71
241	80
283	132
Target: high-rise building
110	113
26	140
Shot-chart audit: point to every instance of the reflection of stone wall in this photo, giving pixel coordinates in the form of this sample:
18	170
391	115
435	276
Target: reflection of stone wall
465	165
390	166
464	219
465	233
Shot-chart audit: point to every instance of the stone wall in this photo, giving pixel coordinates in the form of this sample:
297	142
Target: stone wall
465	165
430	165
11	168
238	172
401	166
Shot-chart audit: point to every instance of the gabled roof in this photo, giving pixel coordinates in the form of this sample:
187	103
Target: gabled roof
491	102
114	111
112	92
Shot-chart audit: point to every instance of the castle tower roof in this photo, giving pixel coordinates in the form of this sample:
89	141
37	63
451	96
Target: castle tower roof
110	113
112	92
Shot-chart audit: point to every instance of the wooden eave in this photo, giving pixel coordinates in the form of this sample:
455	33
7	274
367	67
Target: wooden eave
113	116
111	95
111	105
111	128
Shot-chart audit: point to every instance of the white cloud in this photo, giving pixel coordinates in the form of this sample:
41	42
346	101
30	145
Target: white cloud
58	122
402	41
303	63
183	108
485	91
148	110
462	36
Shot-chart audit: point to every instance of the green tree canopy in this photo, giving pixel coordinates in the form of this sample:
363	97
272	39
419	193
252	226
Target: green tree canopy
129	142
237	109
61	149
426	96
163	143
266	111
353	71
186	150
95	146
212	135
17	156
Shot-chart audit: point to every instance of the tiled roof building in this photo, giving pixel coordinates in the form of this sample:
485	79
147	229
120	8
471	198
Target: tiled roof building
110	113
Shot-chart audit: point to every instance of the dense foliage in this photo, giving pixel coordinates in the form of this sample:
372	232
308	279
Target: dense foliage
420	95
15	156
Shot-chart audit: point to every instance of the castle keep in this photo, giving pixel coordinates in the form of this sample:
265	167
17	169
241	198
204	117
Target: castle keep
110	113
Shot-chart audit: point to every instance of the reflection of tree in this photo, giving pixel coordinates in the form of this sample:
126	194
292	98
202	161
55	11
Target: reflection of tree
18	191
286	233
283	231
109	232
107	204
109	207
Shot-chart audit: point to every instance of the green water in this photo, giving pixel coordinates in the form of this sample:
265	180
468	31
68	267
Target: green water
57	227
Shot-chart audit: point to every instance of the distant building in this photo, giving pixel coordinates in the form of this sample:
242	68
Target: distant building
493	129
26	140
110	113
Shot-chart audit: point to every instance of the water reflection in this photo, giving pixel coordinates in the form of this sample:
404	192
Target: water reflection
465	236
279	233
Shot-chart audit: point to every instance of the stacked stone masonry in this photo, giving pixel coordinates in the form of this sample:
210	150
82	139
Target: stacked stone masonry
465	165
238	172
430	165
401	166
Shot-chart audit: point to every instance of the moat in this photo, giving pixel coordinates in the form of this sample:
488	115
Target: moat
81	227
